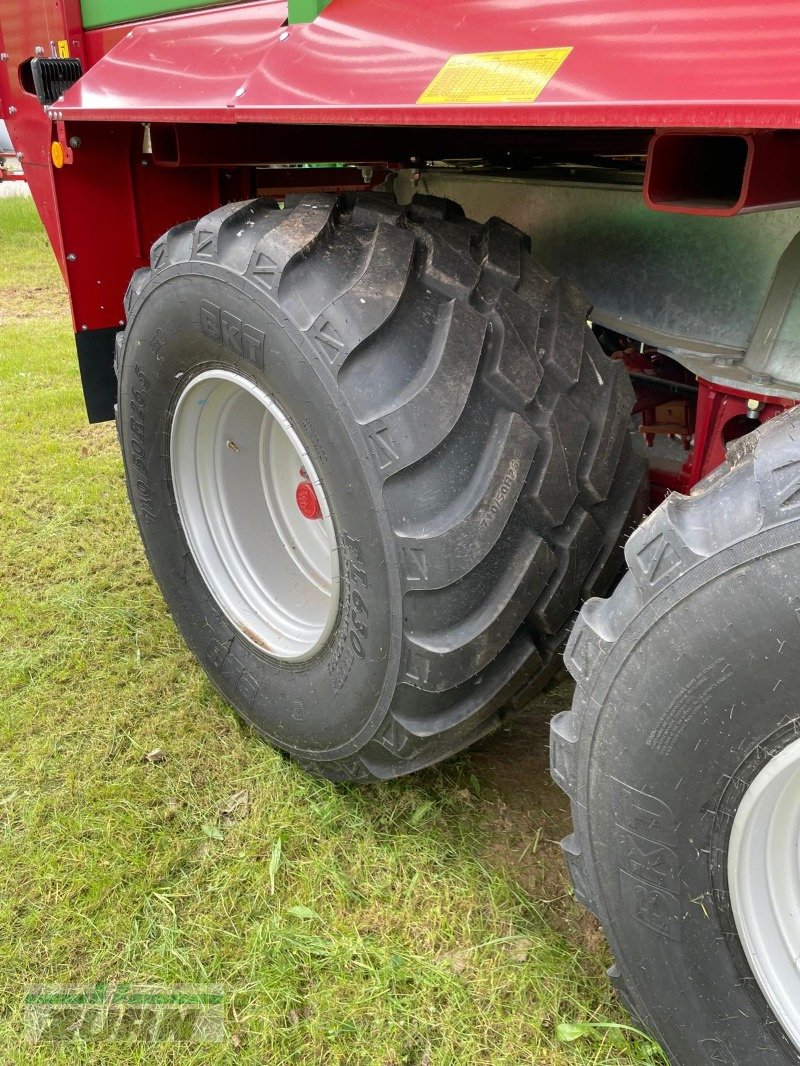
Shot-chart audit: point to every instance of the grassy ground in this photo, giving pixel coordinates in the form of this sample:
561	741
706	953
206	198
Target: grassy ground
424	922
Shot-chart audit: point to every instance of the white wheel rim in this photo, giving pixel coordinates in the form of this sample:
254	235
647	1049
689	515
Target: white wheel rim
236	464
764	884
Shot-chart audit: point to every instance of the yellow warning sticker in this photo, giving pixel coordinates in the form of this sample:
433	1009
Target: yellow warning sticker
63	49
494	77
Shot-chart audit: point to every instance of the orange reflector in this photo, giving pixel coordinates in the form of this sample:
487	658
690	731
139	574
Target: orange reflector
57	154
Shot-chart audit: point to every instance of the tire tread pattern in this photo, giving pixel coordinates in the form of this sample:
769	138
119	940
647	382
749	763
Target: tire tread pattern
755	489
495	422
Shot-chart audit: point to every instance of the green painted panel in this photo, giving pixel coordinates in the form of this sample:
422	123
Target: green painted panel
108	12
305	10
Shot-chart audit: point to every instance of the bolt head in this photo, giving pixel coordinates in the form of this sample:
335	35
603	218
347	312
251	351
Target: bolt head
3	57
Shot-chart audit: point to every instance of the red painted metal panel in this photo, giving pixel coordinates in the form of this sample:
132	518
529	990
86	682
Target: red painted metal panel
186	65
678	63
103	211
722	173
111	209
23	27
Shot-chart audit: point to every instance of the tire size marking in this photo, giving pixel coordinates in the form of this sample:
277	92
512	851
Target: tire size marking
355	619
142	486
506	485
358	614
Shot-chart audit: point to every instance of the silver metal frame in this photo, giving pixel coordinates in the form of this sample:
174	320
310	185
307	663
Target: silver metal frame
720	295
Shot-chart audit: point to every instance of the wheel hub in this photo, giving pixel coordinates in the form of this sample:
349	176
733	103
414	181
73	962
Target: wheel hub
254	514
764	883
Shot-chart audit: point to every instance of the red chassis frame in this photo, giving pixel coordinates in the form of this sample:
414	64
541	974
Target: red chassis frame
225	90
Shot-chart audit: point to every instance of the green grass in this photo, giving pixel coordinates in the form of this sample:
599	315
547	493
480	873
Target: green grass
424	922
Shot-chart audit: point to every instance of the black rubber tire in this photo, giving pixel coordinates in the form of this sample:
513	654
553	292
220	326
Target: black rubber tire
471	437
687	679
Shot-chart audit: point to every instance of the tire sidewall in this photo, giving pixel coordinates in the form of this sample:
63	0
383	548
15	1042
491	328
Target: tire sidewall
192	317
680	736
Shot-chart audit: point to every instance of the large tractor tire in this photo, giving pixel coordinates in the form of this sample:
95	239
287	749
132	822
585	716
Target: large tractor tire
681	756
377	461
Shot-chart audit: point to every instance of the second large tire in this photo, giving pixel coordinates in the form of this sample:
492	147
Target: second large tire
681	758
469	435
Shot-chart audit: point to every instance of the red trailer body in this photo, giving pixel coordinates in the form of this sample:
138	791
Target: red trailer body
683	66
680	65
